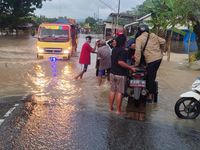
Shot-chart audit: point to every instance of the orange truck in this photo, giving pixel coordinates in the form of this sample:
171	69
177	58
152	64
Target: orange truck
56	40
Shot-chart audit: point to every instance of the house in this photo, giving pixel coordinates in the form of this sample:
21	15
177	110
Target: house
115	23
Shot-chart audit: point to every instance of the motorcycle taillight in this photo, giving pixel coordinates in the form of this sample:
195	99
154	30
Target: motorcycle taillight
137	76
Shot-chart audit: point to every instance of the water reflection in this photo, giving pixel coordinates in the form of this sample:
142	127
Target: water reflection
66	83
39	80
48	121
54	68
67	70
54	79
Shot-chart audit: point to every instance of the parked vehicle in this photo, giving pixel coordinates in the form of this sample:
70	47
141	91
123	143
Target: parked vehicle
188	106
56	40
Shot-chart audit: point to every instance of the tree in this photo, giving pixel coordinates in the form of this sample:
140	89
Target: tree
190	13
92	22
38	20
169	13
14	13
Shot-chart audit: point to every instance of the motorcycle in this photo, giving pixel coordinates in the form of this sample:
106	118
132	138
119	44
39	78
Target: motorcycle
188	106
136	93
136	84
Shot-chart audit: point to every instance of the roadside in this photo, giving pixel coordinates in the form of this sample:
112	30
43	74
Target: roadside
9	105
174	77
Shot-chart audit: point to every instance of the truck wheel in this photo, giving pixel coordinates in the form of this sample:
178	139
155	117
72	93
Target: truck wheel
66	58
39	57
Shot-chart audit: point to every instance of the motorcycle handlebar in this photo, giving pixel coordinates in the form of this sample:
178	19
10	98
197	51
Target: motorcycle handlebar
140	69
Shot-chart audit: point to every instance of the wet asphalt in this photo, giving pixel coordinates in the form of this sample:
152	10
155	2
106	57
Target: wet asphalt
57	112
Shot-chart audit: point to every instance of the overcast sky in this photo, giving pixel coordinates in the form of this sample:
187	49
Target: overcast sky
80	9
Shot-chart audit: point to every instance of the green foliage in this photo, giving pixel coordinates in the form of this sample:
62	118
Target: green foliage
91	21
14	13
41	19
163	13
168	13
93	24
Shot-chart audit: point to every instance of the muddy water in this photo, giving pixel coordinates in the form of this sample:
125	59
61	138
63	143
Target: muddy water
17	48
72	114
22	73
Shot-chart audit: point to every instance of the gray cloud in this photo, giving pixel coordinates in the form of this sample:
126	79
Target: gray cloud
80	9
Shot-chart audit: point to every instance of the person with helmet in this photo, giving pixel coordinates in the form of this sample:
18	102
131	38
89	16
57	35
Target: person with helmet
152	53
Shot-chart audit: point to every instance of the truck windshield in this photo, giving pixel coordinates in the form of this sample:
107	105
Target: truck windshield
53	35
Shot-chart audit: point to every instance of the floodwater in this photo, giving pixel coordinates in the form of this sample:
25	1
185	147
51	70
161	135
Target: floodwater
64	113
22	73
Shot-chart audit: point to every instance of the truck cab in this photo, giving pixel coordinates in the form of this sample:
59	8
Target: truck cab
54	40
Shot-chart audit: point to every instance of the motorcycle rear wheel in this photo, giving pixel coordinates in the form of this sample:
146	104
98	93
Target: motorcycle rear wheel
187	108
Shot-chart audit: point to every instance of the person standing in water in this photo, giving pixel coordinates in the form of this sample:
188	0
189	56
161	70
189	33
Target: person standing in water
84	58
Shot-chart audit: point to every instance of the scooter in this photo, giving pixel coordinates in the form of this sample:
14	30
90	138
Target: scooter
188	106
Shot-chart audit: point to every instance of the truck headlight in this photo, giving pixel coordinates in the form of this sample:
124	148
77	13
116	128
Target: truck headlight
40	50
69	47
65	51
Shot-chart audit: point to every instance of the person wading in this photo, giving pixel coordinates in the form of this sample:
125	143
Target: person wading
85	56
119	70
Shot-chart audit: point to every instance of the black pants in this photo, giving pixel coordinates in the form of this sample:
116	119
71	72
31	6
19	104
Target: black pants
152	69
97	67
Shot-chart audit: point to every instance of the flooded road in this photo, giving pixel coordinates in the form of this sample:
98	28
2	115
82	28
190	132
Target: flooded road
63	113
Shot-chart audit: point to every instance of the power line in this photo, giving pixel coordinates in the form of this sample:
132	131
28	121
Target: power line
107	5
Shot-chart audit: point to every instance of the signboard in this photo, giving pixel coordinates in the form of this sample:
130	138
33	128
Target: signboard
56	27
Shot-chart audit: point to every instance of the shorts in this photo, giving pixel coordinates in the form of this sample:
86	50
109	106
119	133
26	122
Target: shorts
85	67
117	83
103	72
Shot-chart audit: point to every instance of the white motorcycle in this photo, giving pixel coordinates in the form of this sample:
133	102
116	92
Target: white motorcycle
188	106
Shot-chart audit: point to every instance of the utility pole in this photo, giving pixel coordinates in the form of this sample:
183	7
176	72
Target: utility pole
98	23
118	11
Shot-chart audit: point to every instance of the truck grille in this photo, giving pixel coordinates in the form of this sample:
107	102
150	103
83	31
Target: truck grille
52	50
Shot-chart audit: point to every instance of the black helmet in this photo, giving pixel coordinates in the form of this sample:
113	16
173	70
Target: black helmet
143	28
